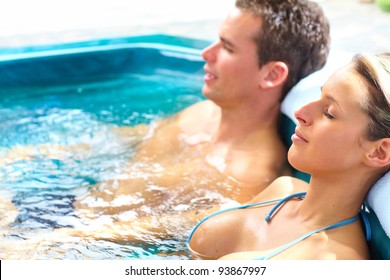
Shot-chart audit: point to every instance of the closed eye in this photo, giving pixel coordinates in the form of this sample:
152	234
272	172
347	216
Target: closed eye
328	115
227	45
227	48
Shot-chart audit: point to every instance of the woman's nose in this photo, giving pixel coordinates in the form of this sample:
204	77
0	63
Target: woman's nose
209	53
303	114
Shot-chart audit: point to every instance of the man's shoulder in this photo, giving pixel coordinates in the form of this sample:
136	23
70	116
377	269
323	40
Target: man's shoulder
198	117
193	110
287	185
282	187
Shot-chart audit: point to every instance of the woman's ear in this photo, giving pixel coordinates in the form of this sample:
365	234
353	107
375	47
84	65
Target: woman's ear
379	156
273	74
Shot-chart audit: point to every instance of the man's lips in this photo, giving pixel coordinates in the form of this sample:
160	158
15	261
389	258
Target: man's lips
209	76
297	136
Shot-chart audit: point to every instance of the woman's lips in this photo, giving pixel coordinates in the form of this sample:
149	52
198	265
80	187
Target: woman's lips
297	137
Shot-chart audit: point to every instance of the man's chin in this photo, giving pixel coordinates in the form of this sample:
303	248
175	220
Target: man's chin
207	92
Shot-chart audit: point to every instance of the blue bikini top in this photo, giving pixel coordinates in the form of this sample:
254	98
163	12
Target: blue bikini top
268	218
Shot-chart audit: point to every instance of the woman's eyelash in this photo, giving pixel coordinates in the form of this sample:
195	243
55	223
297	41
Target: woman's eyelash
326	114
227	48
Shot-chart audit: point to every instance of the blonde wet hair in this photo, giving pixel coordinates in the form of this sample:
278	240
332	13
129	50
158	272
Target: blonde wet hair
375	70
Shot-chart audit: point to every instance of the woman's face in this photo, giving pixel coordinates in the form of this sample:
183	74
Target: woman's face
331	135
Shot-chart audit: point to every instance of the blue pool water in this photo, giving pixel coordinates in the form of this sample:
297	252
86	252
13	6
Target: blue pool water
59	113
54	114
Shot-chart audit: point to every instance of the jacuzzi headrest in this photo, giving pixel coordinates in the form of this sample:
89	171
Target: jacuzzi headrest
309	88
378	213
378	199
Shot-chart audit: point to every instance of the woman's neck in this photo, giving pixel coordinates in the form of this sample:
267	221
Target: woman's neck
331	199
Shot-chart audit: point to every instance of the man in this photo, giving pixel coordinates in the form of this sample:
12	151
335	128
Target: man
265	48
223	150
228	147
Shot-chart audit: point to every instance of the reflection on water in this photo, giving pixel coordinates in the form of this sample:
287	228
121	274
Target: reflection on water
67	164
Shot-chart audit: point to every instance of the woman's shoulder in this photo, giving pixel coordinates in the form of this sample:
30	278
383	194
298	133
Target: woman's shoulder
282	187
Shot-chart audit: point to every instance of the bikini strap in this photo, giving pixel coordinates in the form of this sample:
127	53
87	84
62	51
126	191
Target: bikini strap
268	218
282	201
304	236
310	233
243	206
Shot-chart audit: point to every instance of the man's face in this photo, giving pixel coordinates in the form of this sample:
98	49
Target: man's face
232	62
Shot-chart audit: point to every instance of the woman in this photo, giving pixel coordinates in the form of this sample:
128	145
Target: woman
343	141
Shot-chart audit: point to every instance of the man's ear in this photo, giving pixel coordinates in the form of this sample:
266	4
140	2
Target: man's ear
273	74
379	155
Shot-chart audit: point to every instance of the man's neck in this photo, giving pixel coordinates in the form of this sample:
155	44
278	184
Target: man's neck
239	124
